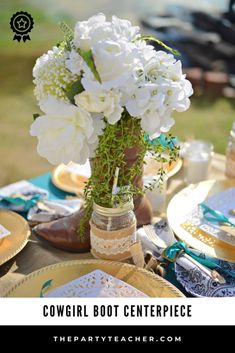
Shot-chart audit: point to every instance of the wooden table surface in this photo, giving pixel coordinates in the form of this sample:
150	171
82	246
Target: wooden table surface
38	254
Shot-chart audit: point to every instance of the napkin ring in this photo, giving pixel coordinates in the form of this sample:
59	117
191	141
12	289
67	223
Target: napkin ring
171	259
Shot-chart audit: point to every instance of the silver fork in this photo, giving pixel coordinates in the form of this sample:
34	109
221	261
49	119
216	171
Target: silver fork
152	236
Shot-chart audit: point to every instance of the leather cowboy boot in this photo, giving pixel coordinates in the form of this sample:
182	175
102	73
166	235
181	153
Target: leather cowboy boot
64	234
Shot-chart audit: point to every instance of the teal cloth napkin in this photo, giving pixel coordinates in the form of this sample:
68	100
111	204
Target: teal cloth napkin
173	251
26	203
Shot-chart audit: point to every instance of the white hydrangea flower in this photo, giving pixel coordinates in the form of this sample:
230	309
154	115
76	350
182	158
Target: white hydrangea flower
140	98
101	101
144	51
74	62
66	132
124	29
158	90
147	103
51	75
155	121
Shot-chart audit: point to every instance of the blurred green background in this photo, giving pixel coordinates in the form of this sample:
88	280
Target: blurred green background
208	118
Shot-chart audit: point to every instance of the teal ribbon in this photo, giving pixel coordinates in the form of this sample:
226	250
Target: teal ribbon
214	216
167	142
173	251
163	140
19	201
45	286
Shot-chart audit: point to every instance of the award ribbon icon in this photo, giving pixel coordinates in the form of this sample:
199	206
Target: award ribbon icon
21	24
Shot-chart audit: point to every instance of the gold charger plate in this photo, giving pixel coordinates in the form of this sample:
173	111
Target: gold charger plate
63	272
16	241
152	167
67	181
174	168
183	203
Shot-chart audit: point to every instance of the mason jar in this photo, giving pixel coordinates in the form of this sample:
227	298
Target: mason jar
113	230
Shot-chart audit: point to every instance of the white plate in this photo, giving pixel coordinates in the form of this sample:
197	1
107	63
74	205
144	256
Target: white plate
185	202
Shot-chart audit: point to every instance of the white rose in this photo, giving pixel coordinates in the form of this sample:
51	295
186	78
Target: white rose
65	132
113	61
114	53
88	33
101	101
84	29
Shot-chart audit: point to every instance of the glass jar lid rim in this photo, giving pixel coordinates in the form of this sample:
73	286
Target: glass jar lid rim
114	211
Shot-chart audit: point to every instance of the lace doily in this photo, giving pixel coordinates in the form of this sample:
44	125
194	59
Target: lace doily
112	242
111	247
96	284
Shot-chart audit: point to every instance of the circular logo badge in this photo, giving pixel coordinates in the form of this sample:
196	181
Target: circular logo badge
21	24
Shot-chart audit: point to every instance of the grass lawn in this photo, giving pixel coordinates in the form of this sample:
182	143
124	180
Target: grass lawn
208	118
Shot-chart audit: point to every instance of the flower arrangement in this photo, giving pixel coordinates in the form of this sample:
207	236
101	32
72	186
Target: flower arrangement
103	90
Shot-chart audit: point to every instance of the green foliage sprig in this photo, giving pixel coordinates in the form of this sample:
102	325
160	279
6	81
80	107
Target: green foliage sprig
68	36
159	42
111	151
89	60
75	89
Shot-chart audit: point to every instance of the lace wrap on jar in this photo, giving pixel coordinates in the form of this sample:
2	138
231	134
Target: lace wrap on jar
112	234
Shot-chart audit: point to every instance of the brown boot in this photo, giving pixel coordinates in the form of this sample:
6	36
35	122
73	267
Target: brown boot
63	233
143	211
